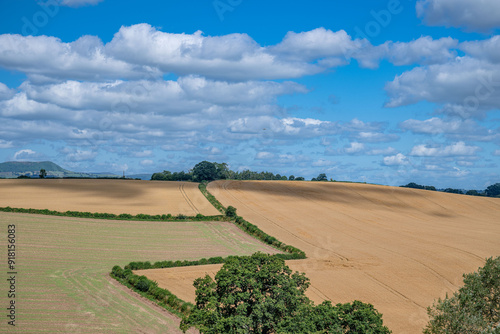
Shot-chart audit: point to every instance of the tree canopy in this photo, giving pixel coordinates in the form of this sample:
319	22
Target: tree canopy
260	294
493	190
43	173
205	171
474	308
209	171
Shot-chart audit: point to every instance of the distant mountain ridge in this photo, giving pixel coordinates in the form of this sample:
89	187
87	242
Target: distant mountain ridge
13	169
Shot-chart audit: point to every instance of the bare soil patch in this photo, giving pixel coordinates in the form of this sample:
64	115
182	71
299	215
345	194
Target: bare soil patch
397	248
107	196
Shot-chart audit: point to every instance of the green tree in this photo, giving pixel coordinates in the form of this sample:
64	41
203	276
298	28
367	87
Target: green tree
231	211
473	193
474	308
493	190
453	191
43	173
222	170
205	171
249	295
322	177
260	294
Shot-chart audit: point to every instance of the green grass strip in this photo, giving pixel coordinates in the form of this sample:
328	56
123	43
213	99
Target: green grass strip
253	230
112	216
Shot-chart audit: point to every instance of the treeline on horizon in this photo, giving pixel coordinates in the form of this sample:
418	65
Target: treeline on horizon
491	191
210	171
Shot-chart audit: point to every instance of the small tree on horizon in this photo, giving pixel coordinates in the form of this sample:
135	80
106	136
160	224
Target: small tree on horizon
43	173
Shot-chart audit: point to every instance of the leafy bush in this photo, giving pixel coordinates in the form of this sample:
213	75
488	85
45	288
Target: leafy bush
143	284
261	294
474	308
231	212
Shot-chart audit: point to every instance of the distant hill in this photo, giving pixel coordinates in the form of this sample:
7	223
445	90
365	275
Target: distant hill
13	169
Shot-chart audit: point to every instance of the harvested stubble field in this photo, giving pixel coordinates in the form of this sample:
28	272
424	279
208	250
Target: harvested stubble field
396	248
107	196
63	264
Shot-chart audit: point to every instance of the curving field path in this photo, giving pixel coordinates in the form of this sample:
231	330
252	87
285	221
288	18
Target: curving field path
104	195
397	248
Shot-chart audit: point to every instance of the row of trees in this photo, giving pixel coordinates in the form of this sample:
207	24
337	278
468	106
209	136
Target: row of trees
210	171
491	191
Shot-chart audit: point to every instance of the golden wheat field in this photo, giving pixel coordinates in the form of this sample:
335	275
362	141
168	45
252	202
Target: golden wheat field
109	196
397	248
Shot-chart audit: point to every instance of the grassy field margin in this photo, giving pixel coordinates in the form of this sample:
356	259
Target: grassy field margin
253	230
112	216
168	300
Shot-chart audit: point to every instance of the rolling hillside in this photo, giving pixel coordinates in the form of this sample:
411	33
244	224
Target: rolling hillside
109	196
399	249
13	169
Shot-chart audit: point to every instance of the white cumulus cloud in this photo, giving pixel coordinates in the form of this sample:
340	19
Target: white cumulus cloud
396	160
465	86
25	154
456	149
474	15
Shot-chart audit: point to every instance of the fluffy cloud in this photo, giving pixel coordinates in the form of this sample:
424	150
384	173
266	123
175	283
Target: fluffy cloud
396	160
186	95
374	137
5	144
354	148
486	49
79	155
229	57
477	15
424	50
26	154
146	162
142	154
143	52
465	86
331	47
435	125
46	58
264	156
268	126
5	92
457	149
382	151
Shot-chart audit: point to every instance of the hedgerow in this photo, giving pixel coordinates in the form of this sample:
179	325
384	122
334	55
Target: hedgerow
253	230
112	216
150	290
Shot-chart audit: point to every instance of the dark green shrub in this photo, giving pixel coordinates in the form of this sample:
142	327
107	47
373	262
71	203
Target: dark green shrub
142	284
231	212
118	271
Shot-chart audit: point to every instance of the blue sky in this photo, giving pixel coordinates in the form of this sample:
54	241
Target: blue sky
380	91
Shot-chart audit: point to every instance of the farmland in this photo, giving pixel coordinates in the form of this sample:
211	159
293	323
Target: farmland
109	196
63	265
396	248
